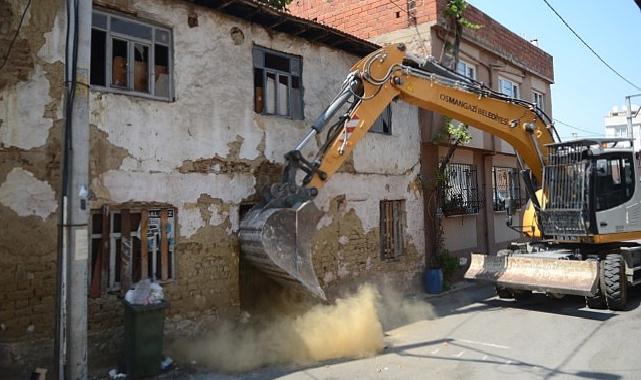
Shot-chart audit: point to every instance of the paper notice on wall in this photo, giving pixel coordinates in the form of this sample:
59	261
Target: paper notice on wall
81	245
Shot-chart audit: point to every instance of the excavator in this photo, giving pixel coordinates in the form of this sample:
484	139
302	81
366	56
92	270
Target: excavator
582	216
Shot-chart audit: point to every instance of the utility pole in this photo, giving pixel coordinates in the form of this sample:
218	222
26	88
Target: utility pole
73	252
629	115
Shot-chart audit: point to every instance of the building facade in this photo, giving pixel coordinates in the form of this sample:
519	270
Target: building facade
192	107
616	124
481	170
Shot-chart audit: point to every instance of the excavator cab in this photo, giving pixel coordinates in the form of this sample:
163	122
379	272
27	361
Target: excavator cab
589	187
587	205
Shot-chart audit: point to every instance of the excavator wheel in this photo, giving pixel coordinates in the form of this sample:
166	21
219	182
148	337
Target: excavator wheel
614	282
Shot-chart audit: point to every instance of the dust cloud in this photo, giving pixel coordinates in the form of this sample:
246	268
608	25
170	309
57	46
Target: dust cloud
352	327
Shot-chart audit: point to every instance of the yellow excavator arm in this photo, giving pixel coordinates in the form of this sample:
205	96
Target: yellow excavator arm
389	73
276	234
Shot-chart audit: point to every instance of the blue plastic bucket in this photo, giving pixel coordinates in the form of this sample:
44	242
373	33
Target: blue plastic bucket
433	280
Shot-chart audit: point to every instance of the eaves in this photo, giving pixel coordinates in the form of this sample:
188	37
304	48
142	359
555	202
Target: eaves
280	21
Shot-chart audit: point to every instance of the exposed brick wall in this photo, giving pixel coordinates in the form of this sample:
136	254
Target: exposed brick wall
371	18
28	243
363	18
494	36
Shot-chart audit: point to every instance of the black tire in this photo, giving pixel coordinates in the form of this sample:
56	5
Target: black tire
504	293
614	283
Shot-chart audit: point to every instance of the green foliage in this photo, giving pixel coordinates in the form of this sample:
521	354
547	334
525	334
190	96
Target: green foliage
449	265
454	9
280	4
453	132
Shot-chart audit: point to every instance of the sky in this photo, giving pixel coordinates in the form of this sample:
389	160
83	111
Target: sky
584	89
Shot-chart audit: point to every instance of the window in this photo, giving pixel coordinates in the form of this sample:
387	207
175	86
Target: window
459	192
120	256
509	88
621	132
392	228
614	181
466	69
130	56
539	99
506	185
277	83
383	123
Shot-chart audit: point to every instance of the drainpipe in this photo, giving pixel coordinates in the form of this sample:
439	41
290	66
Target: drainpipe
73	240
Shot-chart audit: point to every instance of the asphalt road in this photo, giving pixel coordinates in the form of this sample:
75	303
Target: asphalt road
474	335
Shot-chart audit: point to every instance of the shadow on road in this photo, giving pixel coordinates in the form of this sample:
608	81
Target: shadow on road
494	359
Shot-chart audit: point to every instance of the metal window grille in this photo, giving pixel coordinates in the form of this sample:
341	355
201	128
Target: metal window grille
459	192
131	56
506	185
392	228
130	245
278	87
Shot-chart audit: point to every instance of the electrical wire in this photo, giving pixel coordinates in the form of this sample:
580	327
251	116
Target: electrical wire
576	128
590	48
15	36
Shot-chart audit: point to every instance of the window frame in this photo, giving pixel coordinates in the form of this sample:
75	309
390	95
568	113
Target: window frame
113	285
606	200
541	102
396	243
466	66
131	41
515	87
257	49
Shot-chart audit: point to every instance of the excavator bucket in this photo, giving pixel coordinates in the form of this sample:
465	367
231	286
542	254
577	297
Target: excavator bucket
543	274
278	242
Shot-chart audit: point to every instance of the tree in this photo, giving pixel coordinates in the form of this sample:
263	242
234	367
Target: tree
453	133
454	12
280	4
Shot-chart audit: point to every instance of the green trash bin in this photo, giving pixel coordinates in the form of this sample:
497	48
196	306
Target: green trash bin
142	346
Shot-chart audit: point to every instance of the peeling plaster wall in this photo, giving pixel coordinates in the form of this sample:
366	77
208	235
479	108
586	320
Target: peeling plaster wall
205	154
26	195
31	94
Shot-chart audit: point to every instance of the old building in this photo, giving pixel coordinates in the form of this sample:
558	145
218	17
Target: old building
192	107
479	171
